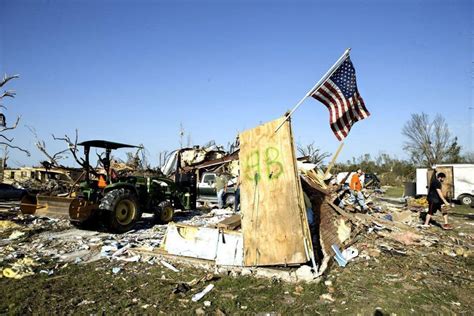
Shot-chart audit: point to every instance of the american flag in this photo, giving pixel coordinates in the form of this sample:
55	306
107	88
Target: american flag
340	95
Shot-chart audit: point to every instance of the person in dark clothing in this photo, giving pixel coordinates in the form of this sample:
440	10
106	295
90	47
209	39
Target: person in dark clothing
237	195
436	200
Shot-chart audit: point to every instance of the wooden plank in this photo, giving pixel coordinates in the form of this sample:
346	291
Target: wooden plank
333	160
230	223
274	222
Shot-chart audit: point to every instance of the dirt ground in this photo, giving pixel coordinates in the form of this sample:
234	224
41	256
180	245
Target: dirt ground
436	279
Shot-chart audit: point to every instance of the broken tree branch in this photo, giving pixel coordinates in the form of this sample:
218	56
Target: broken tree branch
16	147
7	78
41	145
11	94
8	93
53	159
72	146
6	138
3	129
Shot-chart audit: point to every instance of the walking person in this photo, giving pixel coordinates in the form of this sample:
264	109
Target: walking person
436	200
221	188
356	190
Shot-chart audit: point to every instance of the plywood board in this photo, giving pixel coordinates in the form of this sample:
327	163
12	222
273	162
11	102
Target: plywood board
274	222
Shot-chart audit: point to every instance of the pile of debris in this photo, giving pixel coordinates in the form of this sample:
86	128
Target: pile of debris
50	187
31	244
290	226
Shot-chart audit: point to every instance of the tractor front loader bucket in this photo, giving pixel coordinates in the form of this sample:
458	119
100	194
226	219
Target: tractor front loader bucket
49	206
81	210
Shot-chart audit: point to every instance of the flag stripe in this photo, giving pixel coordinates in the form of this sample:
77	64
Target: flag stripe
356	104
335	124
362	106
321	99
340	98
338	109
354	110
332	114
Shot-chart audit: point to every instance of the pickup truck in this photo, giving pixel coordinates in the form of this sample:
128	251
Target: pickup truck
207	189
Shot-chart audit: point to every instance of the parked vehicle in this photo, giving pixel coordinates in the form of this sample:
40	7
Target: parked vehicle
9	192
459	183
207	189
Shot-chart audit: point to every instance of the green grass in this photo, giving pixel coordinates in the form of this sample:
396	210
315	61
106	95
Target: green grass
405	285
395	192
395	284
463	209
140	284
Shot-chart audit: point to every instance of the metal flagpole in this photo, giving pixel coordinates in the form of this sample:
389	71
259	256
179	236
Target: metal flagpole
318	84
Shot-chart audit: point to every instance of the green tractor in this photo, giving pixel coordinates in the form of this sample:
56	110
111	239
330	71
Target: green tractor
118	201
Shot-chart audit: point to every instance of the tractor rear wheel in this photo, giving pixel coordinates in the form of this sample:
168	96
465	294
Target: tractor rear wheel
165	212
122	208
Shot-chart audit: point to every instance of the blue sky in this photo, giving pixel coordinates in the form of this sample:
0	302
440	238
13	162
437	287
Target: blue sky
132	71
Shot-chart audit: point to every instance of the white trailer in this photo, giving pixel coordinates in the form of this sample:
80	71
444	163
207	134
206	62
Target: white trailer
462	186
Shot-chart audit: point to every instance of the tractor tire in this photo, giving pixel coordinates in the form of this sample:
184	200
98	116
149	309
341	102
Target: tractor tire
466	199
121	208
165	212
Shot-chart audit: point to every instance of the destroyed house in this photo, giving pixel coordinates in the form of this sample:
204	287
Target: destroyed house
276	227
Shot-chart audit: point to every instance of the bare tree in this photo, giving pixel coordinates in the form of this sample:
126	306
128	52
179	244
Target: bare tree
72	146
4	140
430	142
314	153
53	159
468	157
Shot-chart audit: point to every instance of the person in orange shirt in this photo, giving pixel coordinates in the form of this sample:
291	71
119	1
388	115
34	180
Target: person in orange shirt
355	181
356	190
